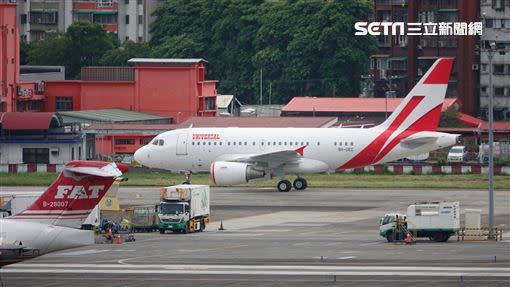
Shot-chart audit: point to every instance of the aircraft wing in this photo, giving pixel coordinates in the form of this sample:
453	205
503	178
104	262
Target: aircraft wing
269	159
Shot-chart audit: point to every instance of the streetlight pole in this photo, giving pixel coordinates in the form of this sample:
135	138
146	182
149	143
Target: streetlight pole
490	54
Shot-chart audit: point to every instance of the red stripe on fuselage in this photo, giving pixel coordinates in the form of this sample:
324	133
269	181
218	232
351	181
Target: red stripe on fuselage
370	152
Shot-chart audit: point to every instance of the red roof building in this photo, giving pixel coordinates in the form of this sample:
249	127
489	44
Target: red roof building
345	109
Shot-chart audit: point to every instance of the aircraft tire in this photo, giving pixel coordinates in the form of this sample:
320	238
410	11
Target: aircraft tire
284	186
300	184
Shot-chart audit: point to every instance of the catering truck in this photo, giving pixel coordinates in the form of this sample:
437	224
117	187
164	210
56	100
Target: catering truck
435	220
183	208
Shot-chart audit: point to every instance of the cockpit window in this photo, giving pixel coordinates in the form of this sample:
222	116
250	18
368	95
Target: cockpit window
159	142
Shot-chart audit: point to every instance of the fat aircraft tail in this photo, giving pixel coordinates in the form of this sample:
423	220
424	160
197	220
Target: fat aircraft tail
69	200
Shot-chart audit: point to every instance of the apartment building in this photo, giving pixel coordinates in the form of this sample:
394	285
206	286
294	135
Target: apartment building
401	60
129	19
496	17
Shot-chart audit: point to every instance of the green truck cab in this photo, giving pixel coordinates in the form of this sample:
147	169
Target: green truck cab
183	208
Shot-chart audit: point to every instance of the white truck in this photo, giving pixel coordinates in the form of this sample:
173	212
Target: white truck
184	208
435	220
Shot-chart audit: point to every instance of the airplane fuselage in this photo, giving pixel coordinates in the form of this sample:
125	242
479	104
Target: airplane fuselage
195	149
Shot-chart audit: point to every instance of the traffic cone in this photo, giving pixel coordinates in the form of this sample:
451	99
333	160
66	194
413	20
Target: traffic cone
119	240
408	239
221	226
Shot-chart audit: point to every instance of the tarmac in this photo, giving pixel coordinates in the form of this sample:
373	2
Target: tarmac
317	237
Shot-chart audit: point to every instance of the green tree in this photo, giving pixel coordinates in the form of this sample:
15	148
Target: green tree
303	47
47	52
121	55
86	43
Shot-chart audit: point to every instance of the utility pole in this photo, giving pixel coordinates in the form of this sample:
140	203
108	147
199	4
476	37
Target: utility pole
490	54
260	88
270	89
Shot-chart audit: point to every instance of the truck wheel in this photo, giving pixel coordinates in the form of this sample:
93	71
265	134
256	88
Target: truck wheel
389	236
186	229
161	231
202	225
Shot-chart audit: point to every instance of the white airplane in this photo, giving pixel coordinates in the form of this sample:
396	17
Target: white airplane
51	223
238	155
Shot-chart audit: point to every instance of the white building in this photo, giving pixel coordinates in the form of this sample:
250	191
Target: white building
129	19
496	15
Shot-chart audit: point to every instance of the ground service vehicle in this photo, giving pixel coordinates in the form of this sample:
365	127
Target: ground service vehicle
435	220
183	208
145	218
457	153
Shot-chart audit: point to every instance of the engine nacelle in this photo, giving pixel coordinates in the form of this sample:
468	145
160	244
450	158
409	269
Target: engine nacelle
230	173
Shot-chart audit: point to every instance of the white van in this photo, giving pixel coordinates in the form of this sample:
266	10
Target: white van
457	153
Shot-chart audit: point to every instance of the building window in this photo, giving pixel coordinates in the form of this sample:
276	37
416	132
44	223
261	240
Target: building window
499	91
126	1
64	103
40	17
140	19
140	39
83	17
499	69
72	153
127	19
125	141
36	155
139	2
105	18
23	18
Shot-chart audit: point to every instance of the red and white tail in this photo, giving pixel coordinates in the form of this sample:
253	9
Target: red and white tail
419	111
421	108
70	199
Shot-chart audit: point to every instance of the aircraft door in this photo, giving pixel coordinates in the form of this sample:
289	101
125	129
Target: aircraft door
182	144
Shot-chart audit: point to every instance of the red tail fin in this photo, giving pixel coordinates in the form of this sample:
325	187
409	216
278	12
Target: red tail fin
70	199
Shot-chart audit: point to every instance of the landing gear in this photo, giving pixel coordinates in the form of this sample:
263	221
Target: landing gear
300	184
187	177
284	186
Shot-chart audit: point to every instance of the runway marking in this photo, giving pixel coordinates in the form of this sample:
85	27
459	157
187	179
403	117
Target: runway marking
289	224
346	257
237	266
293	272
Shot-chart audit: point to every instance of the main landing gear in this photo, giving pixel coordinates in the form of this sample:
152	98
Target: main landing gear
187	176
285	185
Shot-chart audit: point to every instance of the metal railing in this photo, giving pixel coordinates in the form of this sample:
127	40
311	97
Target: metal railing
480	234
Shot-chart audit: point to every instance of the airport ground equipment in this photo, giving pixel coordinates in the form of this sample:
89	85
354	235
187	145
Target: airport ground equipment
145	218
435	220
184	208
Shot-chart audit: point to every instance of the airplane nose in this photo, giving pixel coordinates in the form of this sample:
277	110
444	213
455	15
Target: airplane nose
141	156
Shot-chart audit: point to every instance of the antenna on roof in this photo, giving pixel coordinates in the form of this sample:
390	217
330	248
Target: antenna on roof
191	125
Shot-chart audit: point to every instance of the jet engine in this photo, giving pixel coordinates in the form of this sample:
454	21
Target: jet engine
230	173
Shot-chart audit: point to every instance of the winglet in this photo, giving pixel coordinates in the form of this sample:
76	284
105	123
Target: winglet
301	150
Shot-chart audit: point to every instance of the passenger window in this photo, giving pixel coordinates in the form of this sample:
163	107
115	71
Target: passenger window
297	143
198	143
274	143
209	143
221	143
161	142
302	143
352	143
245	143
279	143
228	143
340	143
233	143
346	143
290	143
318	143
192	143
334	143
284	143
307	143
268	143
240	143
215	143
253	143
